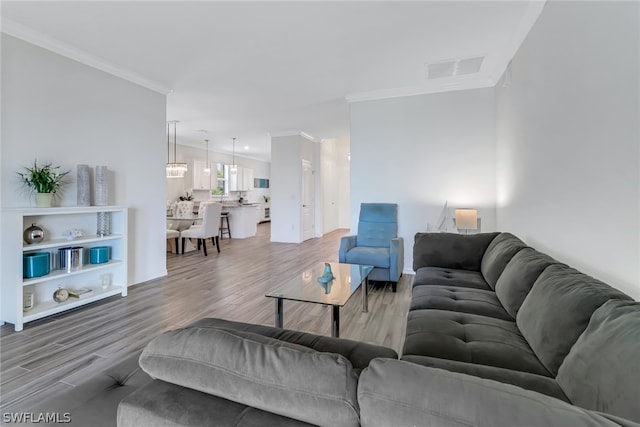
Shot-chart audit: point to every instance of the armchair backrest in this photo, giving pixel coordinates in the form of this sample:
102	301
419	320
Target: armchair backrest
378	224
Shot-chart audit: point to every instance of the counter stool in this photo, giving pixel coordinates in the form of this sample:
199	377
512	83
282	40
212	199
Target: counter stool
224	230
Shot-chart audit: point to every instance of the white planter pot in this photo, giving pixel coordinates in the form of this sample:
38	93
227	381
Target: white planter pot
44	200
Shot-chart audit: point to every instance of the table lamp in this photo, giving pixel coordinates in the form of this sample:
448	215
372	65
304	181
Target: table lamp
467	219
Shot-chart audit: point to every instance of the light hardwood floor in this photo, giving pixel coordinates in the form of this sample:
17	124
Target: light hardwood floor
55	354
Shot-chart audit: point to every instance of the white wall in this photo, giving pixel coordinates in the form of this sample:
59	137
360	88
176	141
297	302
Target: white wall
286	177
569	142
419	151
287	153
56	109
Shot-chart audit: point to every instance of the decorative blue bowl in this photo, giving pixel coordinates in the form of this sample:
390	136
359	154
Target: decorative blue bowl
99	254
35	264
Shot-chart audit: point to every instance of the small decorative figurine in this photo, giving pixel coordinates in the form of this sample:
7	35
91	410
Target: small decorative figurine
61	295
327	275
73	233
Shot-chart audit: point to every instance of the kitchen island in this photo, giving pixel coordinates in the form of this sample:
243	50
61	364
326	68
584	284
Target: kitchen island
243	219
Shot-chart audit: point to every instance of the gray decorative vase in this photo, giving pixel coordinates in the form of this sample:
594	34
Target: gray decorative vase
103	224
101	186
84	190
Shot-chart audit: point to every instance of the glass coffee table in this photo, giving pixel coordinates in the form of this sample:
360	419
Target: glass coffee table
305	287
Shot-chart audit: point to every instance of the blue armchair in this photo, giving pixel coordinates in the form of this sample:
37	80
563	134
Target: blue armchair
377	243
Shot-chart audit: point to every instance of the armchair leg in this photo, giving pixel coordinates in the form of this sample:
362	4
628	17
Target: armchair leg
177	246
394	286
183	246
215	240
204	245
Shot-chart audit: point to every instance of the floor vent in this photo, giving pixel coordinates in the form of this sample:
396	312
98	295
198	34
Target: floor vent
455	67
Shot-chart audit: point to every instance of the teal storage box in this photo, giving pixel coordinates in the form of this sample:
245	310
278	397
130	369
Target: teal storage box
36	264
99	254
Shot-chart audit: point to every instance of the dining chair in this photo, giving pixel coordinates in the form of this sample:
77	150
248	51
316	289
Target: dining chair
209	228
184	209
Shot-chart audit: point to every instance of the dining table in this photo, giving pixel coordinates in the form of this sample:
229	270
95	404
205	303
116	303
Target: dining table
180	224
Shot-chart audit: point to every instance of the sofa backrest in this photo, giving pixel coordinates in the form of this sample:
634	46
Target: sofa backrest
448	250
269	374
602	370
558	309
497	256
518	277
377	225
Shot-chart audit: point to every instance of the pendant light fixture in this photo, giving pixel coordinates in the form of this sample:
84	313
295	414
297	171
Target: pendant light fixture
175	169
207	167
234	167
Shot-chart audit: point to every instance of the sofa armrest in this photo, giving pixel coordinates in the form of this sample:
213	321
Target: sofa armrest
393	392
396	253
346	244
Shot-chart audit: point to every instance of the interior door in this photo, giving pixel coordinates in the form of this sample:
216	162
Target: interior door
308	196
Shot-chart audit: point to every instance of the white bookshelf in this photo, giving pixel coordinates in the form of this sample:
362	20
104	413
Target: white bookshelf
55	221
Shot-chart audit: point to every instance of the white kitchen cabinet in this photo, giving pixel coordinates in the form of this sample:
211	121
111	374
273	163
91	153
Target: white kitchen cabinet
242	180
247	179
201	179
105	279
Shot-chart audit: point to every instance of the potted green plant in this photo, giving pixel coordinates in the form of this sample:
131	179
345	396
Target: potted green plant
44	180
186	197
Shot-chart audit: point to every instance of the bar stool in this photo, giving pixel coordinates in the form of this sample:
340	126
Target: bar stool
224	230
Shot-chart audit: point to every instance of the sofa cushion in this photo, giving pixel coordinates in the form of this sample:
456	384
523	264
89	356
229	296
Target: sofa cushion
462	300
497	256
430	276
448	250
378	257
526	380
469	338
398	393
94	402
558	309
359	353
518	277
276	376
162	404
602	370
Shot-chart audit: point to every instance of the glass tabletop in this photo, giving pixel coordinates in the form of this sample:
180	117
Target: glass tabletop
306	286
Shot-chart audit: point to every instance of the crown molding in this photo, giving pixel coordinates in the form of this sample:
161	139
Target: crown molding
293	133
441	85
39	39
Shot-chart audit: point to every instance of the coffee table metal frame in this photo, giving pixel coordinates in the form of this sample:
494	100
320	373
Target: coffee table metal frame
305	287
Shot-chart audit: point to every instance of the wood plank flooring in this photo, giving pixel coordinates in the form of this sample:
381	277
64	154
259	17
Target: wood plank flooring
57	353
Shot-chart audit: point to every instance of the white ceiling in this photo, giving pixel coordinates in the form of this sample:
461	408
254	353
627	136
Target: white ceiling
251	69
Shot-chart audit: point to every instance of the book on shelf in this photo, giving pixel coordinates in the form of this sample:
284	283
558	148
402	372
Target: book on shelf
81	293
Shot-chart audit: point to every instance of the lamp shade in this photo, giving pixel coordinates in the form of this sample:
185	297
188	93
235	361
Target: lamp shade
467	219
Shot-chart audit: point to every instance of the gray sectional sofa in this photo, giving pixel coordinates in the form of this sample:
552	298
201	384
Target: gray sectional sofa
498	334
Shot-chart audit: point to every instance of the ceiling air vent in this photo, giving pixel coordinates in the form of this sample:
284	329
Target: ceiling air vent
455	67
